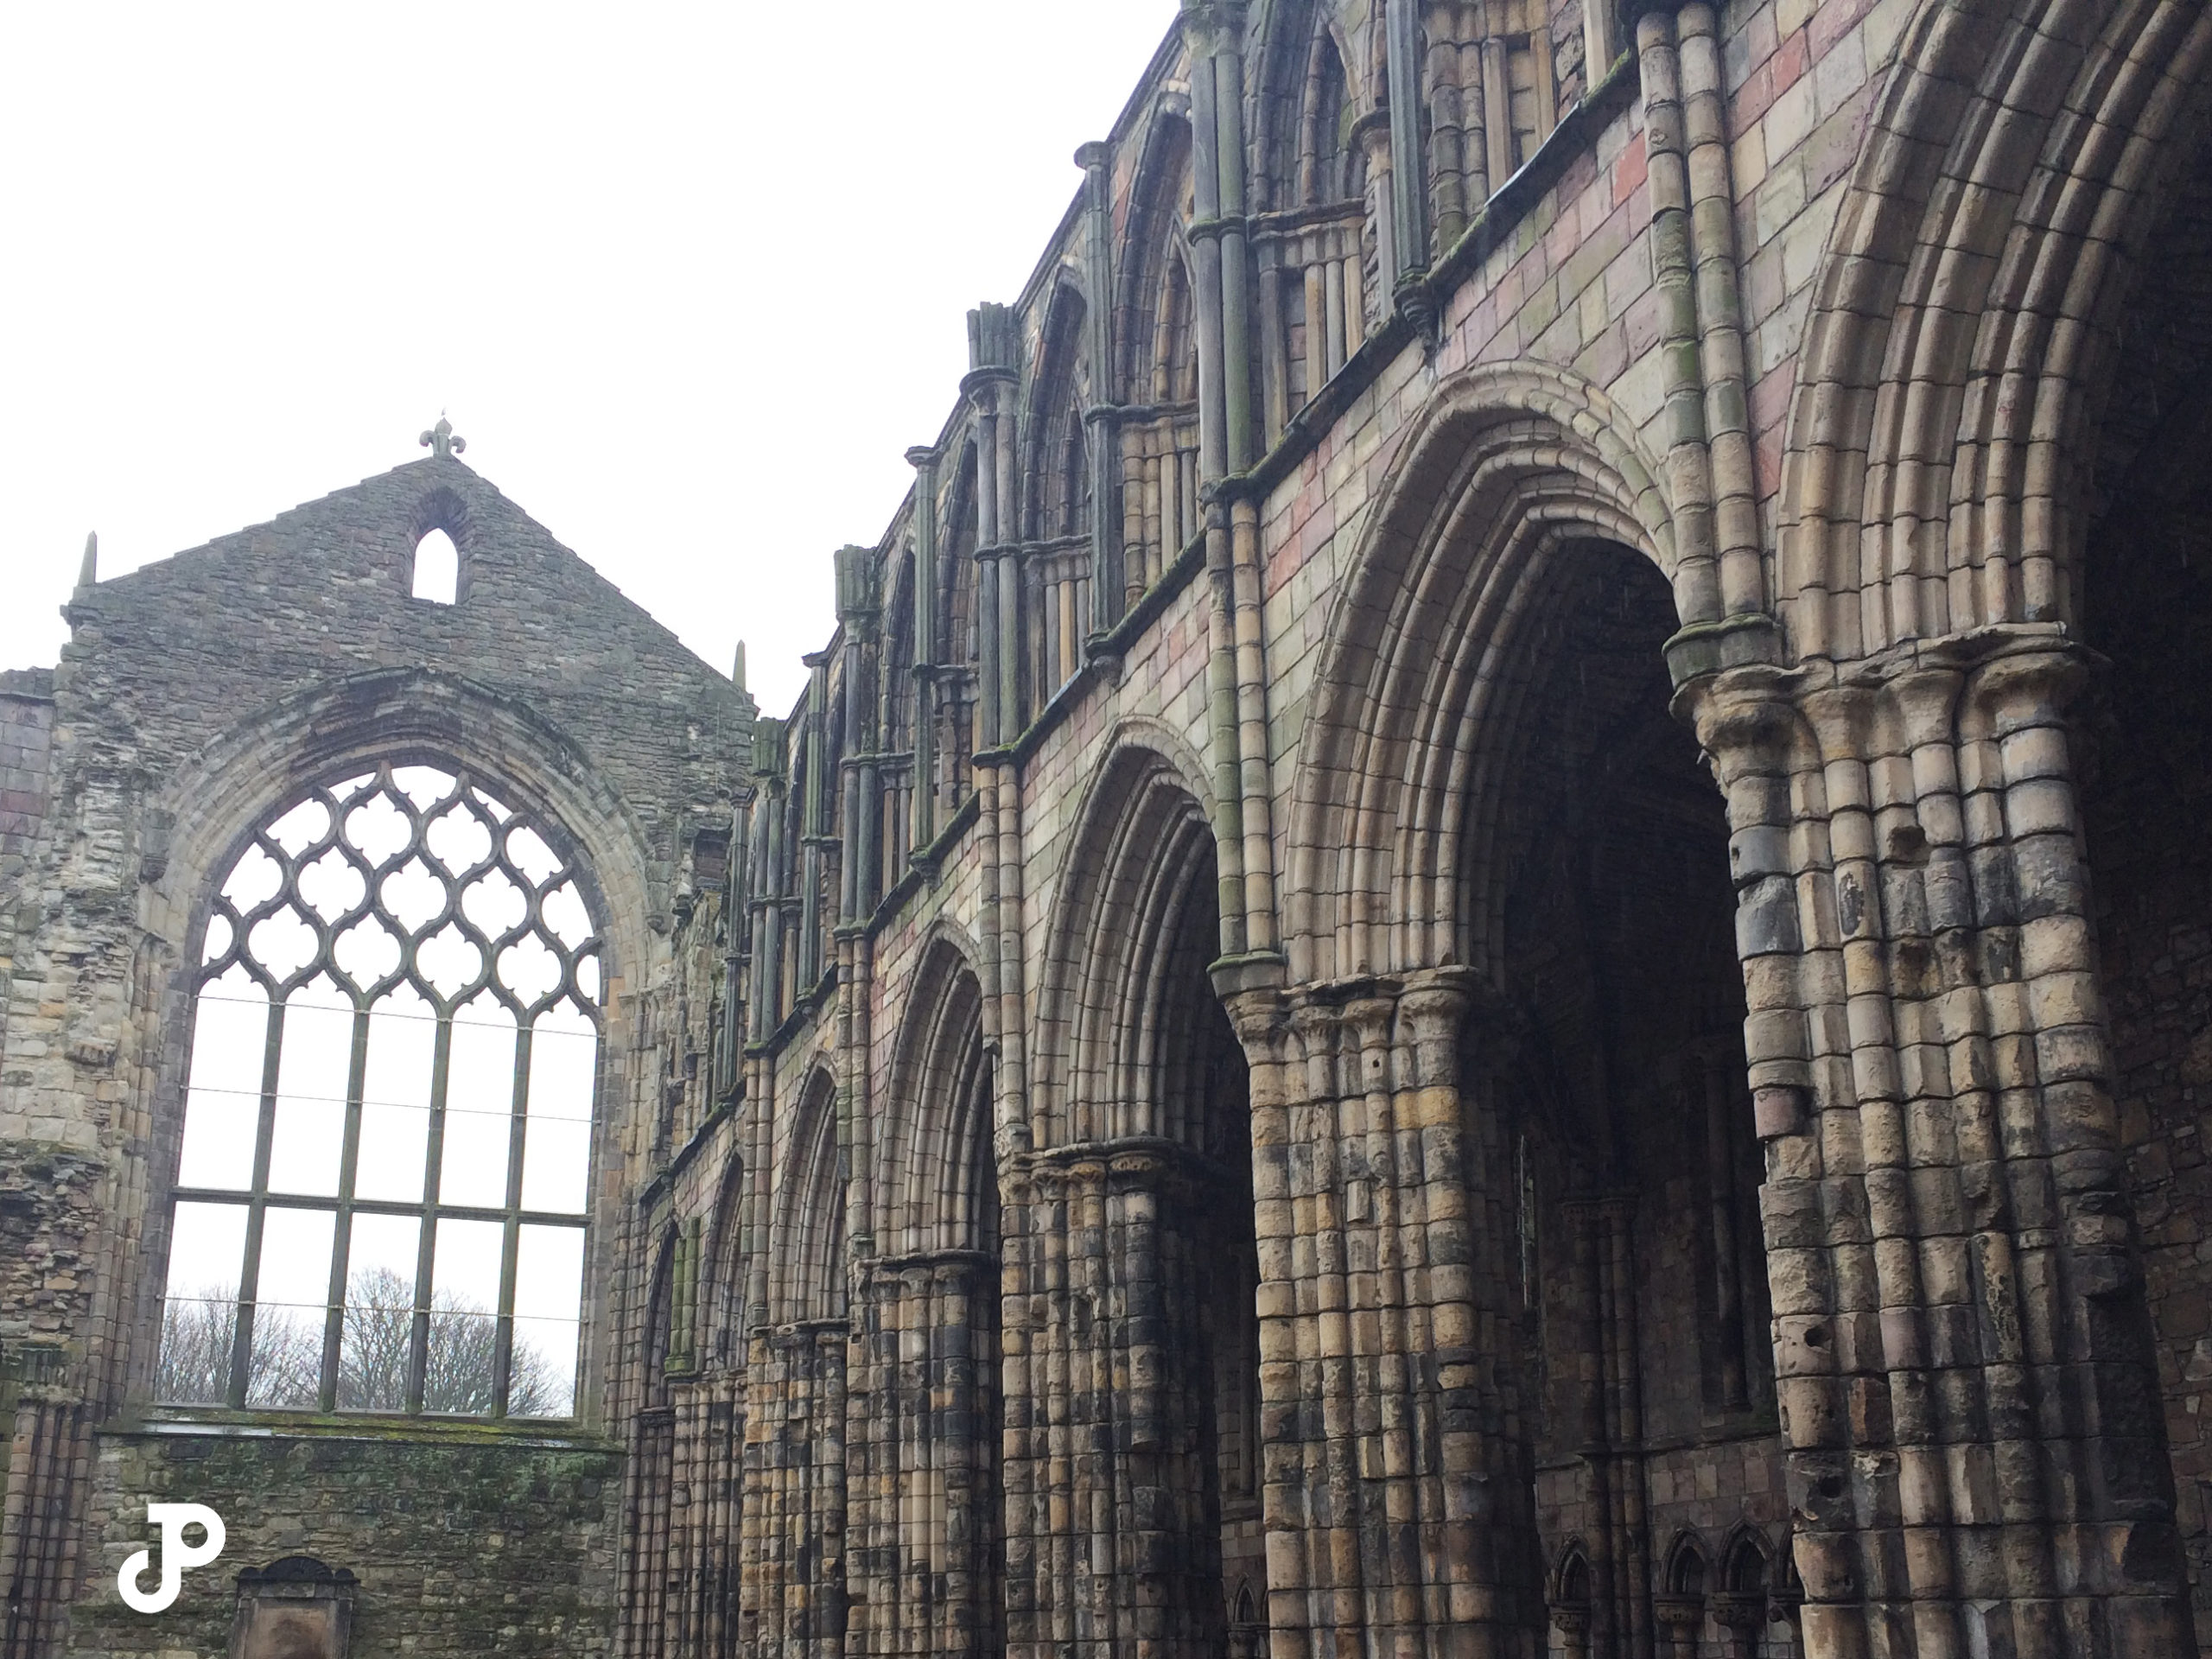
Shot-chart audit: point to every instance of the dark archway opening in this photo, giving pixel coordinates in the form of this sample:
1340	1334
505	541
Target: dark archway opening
2144	735
1206	1454
1622	1138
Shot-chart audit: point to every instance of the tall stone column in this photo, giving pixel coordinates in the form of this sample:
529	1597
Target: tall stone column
923	1513
1970	1398
1394	1454
923	647
1101	423
792	1582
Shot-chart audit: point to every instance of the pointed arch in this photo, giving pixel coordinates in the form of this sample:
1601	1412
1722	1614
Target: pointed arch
722	1293
958	646
1964	324
1425	669
1302	137
1058	493
1744	1561
940	1081
1137	900
1154	265
807	1264
1686	1572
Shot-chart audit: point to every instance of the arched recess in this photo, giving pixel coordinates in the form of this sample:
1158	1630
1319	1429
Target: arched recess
942	1419
1131	880
936	1153
954	675
1156	339
807	1266
1059	476
1963	335
1160	210
1507	464
2144	736
1131	1257
404	716
1509	875
723	1294
1055	574
1307	102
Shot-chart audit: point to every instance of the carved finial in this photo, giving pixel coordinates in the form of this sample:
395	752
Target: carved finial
737	668
440	439
89	571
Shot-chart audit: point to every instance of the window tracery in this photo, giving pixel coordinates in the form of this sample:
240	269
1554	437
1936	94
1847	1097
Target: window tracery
381	1188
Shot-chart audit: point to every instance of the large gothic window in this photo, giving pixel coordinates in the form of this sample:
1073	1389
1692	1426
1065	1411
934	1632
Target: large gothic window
381	1191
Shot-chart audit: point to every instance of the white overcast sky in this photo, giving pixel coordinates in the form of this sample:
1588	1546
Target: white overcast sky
689	278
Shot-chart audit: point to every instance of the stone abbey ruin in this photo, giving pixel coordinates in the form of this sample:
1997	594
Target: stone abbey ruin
1486	937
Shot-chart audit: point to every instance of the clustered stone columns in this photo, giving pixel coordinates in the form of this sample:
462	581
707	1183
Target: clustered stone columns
925	1517
1214	33
49	1460
1394	1445
1236	662
1968	1394
791	1581
1110	1546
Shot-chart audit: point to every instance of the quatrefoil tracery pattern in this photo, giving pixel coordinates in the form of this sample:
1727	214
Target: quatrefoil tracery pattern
408	875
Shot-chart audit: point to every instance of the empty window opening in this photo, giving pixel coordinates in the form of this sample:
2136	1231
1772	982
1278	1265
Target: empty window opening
382	1189
438	568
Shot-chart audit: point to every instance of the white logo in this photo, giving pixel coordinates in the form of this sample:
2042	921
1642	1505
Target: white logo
176	1555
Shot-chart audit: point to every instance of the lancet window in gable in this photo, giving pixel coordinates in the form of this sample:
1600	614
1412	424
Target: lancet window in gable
381	1199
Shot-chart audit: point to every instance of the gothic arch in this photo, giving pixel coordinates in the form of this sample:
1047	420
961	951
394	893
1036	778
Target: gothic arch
1939	440
941	1105
806	1260
1420	677
1152	244
1305	70
723	1320
213	803
1137	867
1058	464
400	715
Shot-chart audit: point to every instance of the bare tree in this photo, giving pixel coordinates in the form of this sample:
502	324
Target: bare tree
199	1334
285	1368
459	1371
